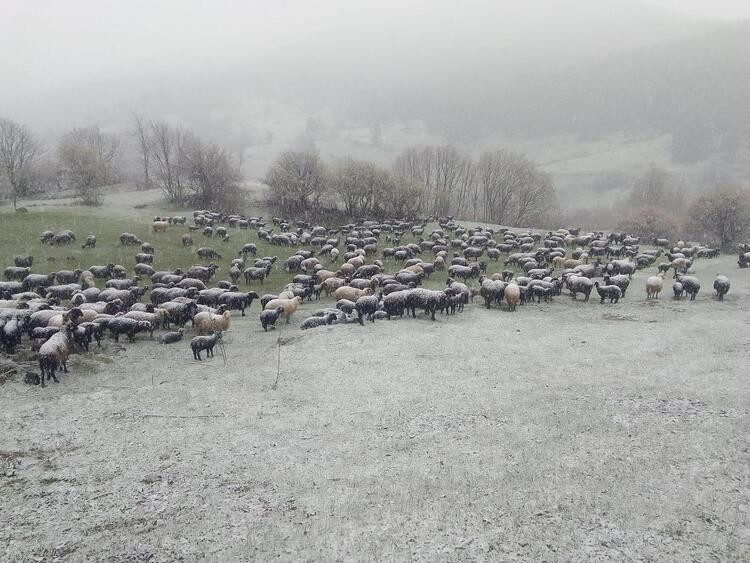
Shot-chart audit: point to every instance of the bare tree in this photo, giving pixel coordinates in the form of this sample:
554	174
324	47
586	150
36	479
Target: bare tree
415	165
144	141
214	179
167	155
297	182
19	151
723	214
88	158
361	187
447	163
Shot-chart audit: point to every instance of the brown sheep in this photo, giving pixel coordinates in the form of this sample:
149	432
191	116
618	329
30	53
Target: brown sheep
289	305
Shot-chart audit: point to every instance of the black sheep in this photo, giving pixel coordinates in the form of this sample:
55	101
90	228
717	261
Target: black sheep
207	343
269	317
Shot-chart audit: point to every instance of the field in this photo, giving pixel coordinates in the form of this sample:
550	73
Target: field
563	431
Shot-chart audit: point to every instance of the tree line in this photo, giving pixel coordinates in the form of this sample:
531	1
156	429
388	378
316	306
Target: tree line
499	187
188	169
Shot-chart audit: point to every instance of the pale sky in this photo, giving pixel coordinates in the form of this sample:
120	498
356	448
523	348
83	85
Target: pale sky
54	48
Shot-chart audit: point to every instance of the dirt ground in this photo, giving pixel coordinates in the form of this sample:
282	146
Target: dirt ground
564	431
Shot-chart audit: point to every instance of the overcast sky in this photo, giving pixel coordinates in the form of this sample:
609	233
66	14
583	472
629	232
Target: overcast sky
56	48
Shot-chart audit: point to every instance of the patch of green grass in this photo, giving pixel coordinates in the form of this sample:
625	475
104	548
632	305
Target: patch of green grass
21	236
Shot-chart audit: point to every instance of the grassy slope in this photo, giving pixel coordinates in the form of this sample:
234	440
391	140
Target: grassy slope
23	238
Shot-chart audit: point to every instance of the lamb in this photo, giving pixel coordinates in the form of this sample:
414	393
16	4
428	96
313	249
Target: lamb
721	286
207	322
678	290
611	292
289	305
314	322
345	305
207	343
268	317
366	307
187	240
90	242
171	337
654	286
54	353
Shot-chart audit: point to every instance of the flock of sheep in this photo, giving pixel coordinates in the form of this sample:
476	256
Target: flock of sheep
65	311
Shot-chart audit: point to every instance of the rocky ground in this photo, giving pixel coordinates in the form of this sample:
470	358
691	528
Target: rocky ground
564	431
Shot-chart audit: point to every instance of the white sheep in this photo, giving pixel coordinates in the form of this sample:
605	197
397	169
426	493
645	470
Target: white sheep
654	286
512	295
206	321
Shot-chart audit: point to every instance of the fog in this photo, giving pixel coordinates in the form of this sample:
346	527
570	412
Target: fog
469	73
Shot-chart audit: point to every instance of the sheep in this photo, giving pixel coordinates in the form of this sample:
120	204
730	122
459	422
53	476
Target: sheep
129	239
579	284
721	286
90	242
620	280
144	258
16	273
351	293
255	273
314	322
654	286
54	353
157	318
289	305
207	343
512	295
690	284
207	322
235	300
63	291
678	290
491	291
187	240
366	307
64	237
208	253
426	299
21	261
66	276
179	313
268	317
159	226
611	292
128	326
